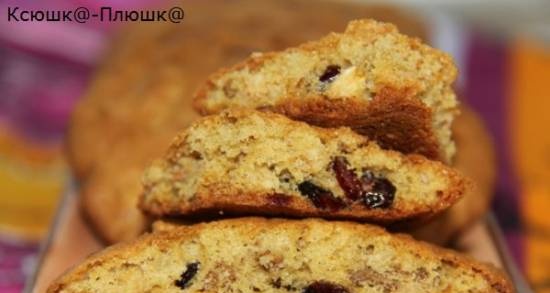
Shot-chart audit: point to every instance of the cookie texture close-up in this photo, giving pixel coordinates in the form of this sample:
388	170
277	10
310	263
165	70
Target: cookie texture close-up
141	95
252	162
385	85
475	158
259	255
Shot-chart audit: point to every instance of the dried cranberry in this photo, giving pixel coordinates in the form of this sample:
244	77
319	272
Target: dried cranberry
382	194
321	198
330	73
186	276
347	179
375	192
324	287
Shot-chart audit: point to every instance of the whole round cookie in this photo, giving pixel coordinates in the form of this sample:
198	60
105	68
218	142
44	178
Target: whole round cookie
141	93
475	158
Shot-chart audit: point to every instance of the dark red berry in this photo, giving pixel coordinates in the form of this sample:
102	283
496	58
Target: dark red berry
321	198
324	287
375	192
186	276
347	179
330	73
382	194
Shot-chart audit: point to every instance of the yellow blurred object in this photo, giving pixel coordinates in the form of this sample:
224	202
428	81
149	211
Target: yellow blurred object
32	177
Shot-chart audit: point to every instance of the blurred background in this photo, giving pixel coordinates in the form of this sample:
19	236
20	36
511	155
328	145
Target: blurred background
502	49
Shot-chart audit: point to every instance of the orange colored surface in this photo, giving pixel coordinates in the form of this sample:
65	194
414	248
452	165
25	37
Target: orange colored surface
530	132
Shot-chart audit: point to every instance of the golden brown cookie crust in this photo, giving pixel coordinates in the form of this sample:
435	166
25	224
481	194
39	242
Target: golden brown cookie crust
391	119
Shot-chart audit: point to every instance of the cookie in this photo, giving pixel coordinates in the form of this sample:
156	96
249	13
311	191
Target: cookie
109	201
259	255
475	158
252	162
149	74
142	92
382	84
109	195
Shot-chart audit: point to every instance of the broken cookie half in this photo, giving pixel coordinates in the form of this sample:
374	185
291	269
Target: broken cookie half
260	255
385	85
246	162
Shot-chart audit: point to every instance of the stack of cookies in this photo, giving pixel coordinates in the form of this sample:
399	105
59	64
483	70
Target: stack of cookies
334	136
142	93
